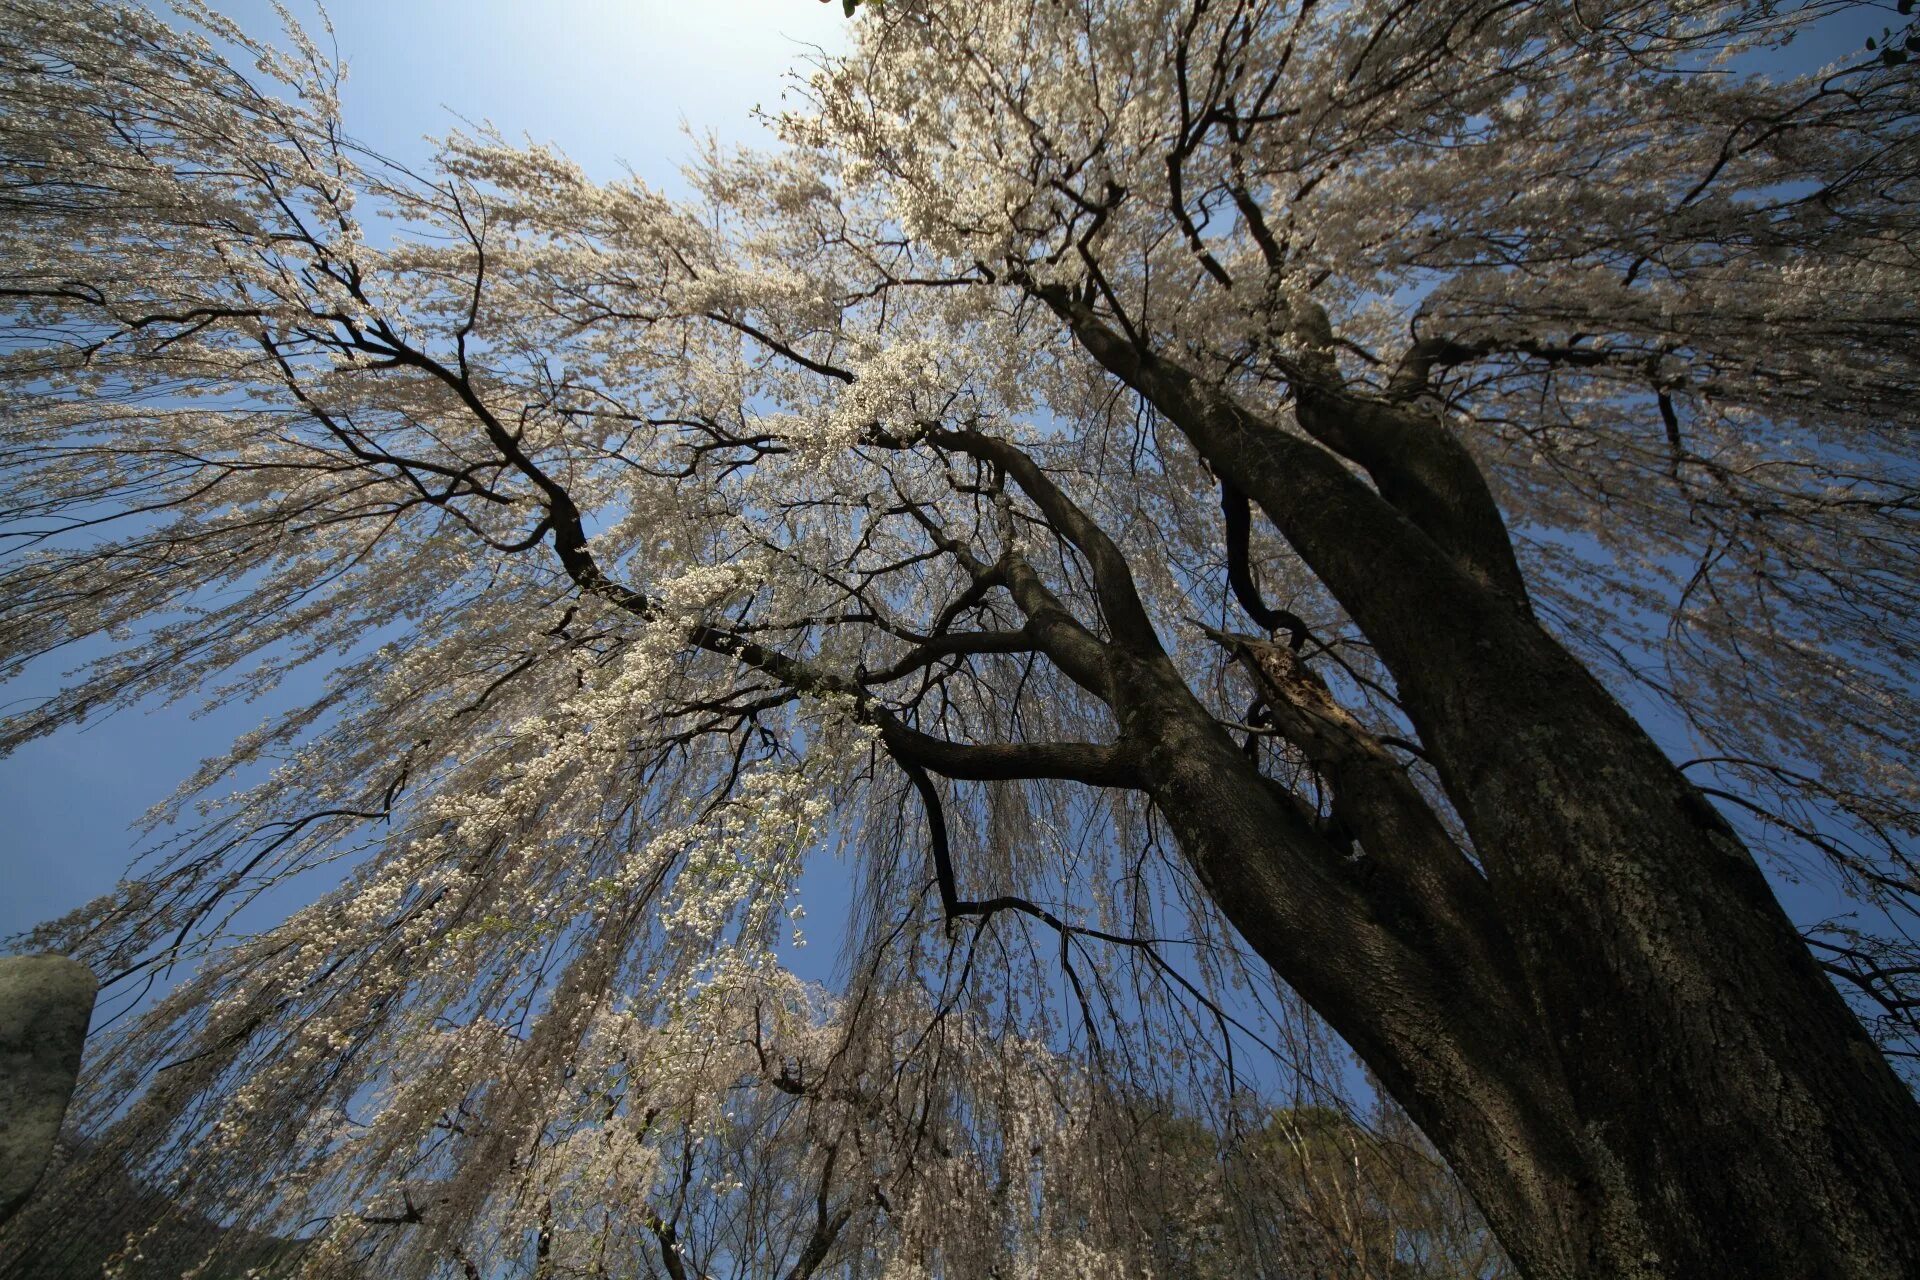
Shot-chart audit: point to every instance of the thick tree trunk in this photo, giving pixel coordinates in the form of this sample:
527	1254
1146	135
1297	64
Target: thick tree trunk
1420	981
1620	1100
1618	1039
1759	1130
1638	1110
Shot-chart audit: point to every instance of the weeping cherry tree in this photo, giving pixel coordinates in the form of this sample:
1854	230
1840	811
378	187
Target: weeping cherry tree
1231	523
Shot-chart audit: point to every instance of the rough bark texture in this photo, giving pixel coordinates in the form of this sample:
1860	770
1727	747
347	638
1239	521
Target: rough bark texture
1608	1024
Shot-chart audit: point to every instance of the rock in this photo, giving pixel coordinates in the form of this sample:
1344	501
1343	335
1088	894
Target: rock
45	1004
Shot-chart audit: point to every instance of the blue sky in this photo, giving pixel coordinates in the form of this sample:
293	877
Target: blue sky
614	84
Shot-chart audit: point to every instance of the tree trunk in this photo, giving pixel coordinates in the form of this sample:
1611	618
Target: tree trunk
1760	1131
1425	990
1617	1037
1621	1101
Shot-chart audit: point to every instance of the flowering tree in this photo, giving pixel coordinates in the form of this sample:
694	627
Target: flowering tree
1176	492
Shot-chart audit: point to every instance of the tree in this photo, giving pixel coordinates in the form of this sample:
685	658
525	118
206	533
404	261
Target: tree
1187	492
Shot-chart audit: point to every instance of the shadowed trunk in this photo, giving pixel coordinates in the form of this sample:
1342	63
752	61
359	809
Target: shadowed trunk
1610	1028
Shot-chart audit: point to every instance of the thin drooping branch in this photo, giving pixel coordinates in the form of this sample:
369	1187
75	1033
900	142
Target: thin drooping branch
953	907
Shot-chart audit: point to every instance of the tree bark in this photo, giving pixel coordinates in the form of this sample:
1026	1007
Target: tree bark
1424	989
1625	1051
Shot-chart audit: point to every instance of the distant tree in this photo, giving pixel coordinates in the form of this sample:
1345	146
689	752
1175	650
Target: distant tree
1183	494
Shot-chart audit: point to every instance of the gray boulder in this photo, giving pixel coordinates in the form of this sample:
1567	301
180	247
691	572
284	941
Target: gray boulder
45	1004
